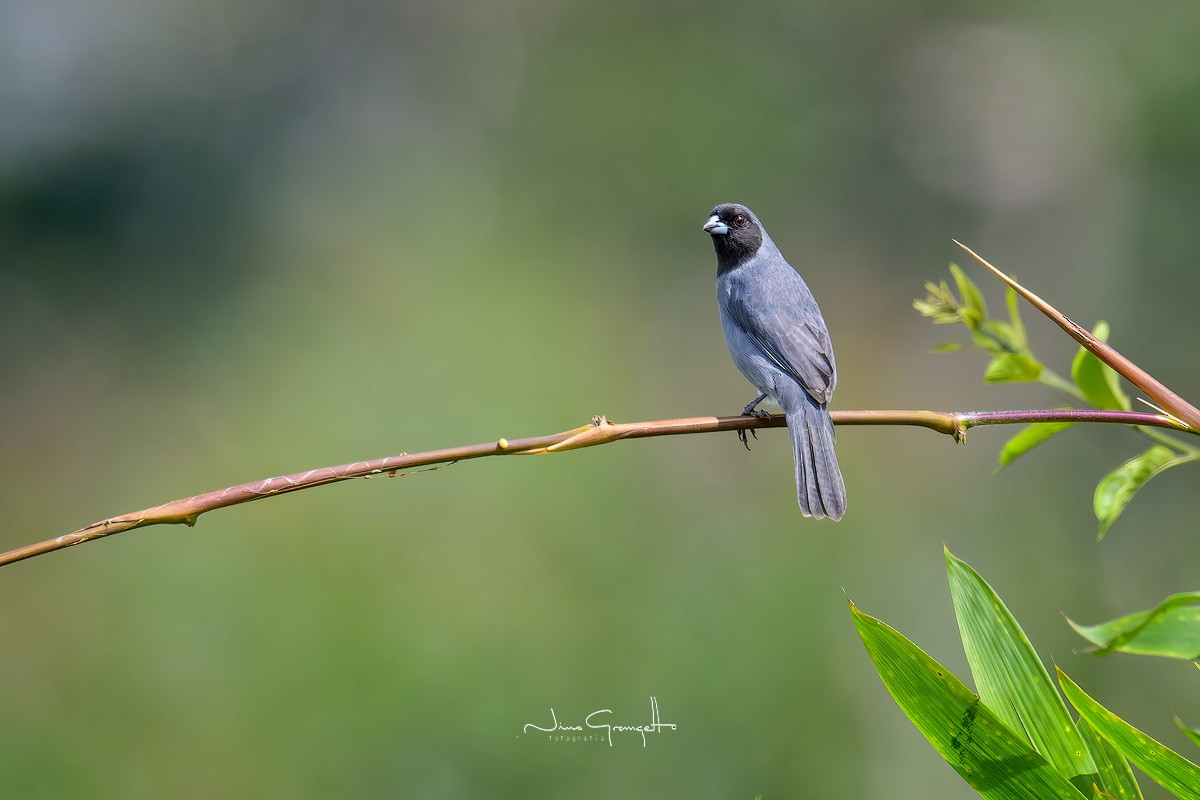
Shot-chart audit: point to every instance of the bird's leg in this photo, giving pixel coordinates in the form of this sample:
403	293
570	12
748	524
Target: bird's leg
751	411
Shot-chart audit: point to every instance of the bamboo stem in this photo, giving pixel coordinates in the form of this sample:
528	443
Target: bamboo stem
600	431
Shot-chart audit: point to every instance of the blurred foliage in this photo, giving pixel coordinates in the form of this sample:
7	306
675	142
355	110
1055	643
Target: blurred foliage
1015	737
1170	629
1092	382
239	240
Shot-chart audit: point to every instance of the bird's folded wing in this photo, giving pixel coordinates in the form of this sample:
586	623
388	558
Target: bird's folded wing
793	338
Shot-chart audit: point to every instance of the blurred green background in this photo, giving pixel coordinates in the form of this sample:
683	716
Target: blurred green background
243	239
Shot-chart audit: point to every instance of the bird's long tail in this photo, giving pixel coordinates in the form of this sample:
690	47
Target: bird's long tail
819	485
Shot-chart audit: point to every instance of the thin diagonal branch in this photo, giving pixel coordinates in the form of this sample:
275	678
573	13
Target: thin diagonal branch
599	432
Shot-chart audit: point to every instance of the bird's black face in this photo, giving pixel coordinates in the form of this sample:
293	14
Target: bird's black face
735	233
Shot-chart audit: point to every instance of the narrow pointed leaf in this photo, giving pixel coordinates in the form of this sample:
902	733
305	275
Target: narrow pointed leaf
1019	341
1011	679
1116	778
1118	487
1166	767
1030	437
1171	629
1191	733
989	755
1100	383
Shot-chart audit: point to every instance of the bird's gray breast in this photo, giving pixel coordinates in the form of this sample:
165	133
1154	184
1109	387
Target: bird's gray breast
747	355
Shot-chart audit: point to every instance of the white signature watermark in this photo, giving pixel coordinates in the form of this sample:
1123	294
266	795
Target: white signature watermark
599	722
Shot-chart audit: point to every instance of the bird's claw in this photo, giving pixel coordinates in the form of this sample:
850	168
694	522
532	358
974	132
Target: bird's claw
749	410
745	439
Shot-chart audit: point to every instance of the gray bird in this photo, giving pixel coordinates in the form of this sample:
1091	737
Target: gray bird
779	341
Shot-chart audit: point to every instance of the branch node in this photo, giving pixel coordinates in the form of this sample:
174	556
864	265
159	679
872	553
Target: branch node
601	431
1182	425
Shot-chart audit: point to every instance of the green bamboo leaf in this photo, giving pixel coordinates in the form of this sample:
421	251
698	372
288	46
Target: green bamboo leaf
1100	383
1116	778
1019	342
974	308
947	347
1030	437
1191	733
988	754
1166	767
1118	487
1011	679
1013	367
1171	629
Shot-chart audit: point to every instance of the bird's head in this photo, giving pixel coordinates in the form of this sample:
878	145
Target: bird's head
736	234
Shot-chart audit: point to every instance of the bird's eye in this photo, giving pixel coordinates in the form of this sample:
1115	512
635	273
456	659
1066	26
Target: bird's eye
739	221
